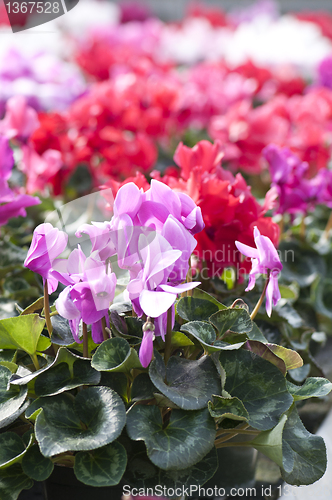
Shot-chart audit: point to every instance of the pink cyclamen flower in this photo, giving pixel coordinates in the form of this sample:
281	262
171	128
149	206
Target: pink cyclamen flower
47	244
265	260
20	120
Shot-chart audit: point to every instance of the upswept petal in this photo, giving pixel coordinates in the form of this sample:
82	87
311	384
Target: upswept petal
156	303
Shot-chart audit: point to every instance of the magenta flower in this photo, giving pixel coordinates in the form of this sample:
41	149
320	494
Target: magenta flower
265	260
47	244
89	299
12	202
146	349
296	192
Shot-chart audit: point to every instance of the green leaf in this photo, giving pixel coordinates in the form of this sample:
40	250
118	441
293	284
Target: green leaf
258	384
288	313
232	408
291	358
142	388
65	373
270	442
300	374
263	351
94	418
141	473
102	467
198	293
205	333
11	366
287	292
304	455
61	334
187	438
237	320
188	384
21	332
12	398
192	309
35	465
4	422
134	326
11	449
115	355
313	387
12	482
256	334
180	340
36	306
43	343
116	381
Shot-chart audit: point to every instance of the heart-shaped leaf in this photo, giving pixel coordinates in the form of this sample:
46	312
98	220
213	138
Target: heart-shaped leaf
141	473
115	355
21	332
237	320
313	387
94	418
102	467
142	388
232	408
198	293
187	438
116	381
258	384
304	455
13	481
270	442
35	465
192	309
10	419
36	306
12	398
179	339
67	372
263	351
206	335
12	449
61	334
189	384
256	334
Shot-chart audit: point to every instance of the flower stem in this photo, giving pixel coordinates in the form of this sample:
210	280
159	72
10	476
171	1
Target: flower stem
260	302
35	361
168	338
85	341
47	310
328	227
103	323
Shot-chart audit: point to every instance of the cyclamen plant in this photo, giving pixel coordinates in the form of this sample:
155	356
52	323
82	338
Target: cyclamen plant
169	365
